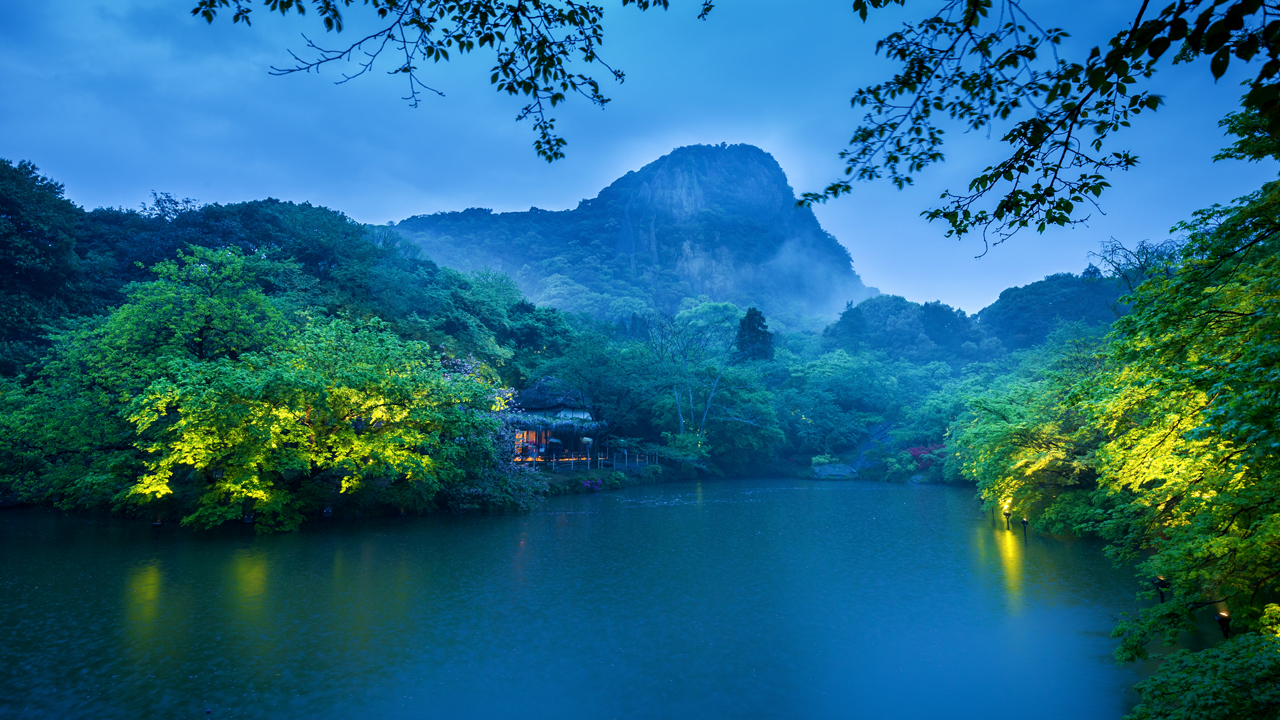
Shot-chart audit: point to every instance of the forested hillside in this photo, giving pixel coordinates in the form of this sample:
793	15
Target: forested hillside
1024	316
126	332
712	222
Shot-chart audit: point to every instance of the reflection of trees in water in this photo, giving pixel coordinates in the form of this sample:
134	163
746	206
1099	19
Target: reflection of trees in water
1012	556
142	596
997	546
375	595
247	613
1040	568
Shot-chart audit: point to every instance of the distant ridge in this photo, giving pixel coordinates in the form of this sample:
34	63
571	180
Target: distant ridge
718	222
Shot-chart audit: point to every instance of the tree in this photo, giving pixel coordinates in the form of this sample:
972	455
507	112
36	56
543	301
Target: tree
1166	446
38	262
1025	316
339	408
694	350
754	339
617	376
1192	416
712	403
828	404
977	63
78	450
1031	440
978	70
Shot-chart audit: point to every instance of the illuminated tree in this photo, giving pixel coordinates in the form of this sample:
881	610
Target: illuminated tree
341	406
1173	441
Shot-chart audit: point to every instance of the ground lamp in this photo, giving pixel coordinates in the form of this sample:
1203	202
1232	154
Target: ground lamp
1224	622
1007	515
1024	528
1161	585
327	512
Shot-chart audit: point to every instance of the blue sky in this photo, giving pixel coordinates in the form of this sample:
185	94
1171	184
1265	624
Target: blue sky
116	99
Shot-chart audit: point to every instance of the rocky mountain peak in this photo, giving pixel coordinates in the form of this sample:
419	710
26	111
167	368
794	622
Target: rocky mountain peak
704	221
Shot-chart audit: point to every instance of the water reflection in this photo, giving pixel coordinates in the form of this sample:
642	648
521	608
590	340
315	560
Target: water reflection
518	560
248	583
249	578
142	594
1009	550
752	599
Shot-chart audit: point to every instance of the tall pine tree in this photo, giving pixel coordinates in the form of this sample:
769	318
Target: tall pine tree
754	338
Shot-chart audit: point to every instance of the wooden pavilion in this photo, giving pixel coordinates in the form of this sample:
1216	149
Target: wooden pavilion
555	422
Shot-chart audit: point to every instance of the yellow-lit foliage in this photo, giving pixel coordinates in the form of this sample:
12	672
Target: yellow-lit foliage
340	404
1031	440
1179	430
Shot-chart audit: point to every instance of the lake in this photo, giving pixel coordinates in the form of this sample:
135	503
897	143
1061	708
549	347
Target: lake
727	598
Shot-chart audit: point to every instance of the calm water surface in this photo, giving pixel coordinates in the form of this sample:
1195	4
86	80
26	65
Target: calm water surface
735	599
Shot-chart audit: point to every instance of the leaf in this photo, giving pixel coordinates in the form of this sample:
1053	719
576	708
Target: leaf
1218	65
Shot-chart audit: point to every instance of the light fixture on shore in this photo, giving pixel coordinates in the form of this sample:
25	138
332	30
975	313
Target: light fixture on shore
1224	622
1024	528
1161	585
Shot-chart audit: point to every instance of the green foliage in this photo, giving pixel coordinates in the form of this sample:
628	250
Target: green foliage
1025	316
911	331
1163	441
201	396
828	405
754	338
1239	679
204	307
37	261
348	406
1027	441
1255	140
1193	412
983	63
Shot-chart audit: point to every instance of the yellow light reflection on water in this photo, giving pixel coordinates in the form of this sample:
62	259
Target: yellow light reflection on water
249	574
1010	552
248	583
1011	549
142	594
144	628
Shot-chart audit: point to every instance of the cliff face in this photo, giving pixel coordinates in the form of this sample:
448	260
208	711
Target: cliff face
717	221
